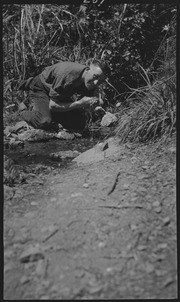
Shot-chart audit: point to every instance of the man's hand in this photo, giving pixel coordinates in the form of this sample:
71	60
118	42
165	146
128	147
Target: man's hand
89	102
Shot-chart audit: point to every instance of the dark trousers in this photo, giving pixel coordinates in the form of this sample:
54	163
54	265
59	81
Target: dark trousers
40	116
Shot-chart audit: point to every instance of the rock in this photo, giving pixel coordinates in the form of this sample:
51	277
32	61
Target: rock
92	155
133	227
160	273
85	185
156	204
161	246
20	125
76	194
118	105
65	135
36	135
32	253
103	146
8	130
166	221
142	247
158	209
34	203
126	186
108	119
99	152
77	134
149	267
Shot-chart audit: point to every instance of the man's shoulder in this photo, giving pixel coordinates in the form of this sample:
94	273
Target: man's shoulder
72	66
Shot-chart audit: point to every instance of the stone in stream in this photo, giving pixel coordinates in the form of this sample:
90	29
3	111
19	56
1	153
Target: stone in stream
65	135
36	135
69	154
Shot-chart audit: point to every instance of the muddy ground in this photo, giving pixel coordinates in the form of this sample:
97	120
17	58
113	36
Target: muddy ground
98	231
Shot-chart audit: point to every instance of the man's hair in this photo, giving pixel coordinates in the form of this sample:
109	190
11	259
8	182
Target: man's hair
103	65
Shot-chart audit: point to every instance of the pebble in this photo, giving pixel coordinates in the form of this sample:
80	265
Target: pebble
149	267
134	199
29	215
145	167
125	186
161	246
109	270
101	244
158	209
85	185
76	194
133	227
160	273
44	298
24	279
34	203
52	199
166	221
142	247
156	204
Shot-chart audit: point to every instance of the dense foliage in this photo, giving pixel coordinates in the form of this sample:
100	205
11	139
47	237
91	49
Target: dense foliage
130	37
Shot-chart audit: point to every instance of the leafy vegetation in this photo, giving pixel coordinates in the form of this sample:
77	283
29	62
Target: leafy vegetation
138	41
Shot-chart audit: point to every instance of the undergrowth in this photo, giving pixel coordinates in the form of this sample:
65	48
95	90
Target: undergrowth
150	111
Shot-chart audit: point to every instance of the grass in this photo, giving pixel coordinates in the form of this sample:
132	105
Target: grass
151	111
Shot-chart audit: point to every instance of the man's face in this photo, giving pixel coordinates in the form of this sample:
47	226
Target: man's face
93	77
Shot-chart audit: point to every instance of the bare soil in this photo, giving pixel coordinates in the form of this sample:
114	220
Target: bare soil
98	231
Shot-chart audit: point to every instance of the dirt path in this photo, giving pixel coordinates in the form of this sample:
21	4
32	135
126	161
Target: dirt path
101	231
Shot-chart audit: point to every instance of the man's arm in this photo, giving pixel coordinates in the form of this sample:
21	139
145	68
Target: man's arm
85	102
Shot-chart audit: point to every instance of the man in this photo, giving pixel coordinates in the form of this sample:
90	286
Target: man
62	89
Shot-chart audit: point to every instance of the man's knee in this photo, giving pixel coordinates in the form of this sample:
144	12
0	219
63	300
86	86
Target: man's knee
36	119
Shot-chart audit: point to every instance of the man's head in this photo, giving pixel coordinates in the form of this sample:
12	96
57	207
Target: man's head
95	74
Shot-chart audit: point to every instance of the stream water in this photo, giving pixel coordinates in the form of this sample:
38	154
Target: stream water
38	153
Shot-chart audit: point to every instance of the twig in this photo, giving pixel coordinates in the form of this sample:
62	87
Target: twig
114	184
52	234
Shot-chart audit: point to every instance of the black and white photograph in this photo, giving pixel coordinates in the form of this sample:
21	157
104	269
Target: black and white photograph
89	150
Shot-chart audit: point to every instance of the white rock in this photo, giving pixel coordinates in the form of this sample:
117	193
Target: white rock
108	119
